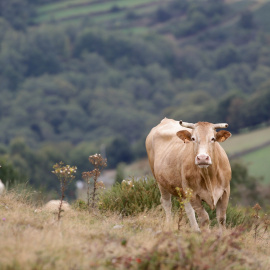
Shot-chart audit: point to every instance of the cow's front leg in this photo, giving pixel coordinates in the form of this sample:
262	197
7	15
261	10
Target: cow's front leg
203	216
191	216
166	202
222	205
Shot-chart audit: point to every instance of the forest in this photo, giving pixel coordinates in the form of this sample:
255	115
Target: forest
70	90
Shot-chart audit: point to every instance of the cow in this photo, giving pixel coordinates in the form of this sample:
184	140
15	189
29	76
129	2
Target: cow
189	156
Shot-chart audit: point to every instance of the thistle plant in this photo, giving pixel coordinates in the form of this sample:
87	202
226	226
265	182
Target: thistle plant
261	225
99	164
183	198
65	174
256	218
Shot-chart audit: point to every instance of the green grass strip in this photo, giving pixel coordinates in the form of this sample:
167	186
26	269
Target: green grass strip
84	10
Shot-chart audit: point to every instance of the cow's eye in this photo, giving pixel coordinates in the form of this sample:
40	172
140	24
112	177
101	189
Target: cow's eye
193	139
213	139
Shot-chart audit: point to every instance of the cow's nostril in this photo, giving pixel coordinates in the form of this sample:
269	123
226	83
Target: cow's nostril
203	159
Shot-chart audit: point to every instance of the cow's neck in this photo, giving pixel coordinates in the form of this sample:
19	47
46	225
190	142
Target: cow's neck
208	175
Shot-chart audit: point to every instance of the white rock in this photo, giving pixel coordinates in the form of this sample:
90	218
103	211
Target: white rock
118	226
53	206
2	187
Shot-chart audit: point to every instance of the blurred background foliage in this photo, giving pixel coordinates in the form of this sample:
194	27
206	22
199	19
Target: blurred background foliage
74	83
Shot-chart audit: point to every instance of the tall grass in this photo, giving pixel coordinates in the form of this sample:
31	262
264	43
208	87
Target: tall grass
33	240
143	194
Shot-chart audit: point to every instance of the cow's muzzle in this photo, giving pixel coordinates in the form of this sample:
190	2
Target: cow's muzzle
203	160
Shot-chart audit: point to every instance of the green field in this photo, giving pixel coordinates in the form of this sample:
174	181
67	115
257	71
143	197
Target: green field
103	13
69	9
240	5
259	163
258	160
242	142
261	16
62	4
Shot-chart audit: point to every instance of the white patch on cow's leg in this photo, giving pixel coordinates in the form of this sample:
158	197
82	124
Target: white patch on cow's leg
191	216
167	205
165	201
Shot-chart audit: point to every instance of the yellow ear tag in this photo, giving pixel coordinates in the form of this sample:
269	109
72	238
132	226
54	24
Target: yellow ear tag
223	139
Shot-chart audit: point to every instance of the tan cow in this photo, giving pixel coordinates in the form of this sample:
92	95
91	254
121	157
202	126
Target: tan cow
188	155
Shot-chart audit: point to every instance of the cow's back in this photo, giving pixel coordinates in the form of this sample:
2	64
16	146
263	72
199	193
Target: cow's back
161	142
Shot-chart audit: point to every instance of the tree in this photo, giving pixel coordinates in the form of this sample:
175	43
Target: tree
118	151
162	15
17	12
246	20
226	56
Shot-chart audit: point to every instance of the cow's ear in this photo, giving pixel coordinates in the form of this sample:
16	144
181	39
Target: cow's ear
223	135
184	135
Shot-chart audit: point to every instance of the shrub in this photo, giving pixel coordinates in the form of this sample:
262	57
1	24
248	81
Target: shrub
131	197
137	195
235	216
209	250
80	205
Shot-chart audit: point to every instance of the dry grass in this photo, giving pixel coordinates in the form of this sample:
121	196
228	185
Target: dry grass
30	240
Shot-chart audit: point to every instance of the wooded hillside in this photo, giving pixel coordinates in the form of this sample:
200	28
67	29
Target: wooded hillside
69	89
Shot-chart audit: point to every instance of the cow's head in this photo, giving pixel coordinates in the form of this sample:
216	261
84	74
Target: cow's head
203	136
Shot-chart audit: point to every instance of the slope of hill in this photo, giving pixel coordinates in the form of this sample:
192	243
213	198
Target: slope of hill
239	144
258	163
252	149
82	240
70	10
133	14
70	89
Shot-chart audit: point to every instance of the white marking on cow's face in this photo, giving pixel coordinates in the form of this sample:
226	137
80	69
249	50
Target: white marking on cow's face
203	137
202	166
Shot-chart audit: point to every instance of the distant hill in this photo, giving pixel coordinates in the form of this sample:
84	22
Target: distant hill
98	12
133	15
253	149
80	77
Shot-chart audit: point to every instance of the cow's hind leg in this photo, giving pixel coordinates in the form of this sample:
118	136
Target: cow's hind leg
166	202
222	208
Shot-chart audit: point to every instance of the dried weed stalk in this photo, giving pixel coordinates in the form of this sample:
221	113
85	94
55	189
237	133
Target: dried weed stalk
99	164
260	225
65	174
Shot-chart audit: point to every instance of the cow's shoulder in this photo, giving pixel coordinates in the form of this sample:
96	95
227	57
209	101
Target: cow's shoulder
166	129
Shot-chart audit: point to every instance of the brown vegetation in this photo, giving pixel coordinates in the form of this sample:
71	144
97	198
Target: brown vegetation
32	240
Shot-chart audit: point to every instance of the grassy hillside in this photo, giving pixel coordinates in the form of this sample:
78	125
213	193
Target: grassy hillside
34	240
74	84
258	163
133	14
262	16
240	143
100	10
253	149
